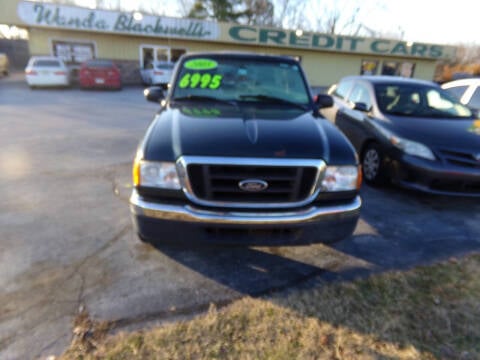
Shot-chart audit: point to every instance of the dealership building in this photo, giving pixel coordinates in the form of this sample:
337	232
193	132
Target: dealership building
77	34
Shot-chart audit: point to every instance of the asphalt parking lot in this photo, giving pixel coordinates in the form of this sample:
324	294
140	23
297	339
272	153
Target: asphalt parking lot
67	243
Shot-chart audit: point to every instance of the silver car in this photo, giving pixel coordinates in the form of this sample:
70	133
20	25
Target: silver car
466	90
4	64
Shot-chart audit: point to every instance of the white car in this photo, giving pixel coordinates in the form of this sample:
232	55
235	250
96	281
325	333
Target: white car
158	73
3	64
466	90
46	71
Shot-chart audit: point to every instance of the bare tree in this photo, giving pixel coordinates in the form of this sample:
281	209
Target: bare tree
184	7
290	14
339	18
251	12
259	12
468	54
331	16
63	2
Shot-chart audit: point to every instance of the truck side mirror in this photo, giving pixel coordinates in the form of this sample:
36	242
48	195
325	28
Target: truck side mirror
323	101
360	106
154	94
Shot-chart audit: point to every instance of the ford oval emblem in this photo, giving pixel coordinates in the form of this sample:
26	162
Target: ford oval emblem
253	185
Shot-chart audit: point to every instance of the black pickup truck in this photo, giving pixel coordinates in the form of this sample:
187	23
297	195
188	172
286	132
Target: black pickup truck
239	153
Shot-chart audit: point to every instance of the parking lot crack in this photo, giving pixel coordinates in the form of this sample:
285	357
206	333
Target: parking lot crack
51	345
189	311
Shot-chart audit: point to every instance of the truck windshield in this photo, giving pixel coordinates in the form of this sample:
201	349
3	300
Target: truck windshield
242	80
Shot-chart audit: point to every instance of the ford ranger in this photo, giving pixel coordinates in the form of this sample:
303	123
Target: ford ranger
239	153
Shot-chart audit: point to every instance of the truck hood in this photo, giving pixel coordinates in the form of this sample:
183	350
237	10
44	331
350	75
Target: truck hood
246	131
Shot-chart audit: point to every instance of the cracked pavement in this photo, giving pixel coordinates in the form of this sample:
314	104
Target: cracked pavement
66	241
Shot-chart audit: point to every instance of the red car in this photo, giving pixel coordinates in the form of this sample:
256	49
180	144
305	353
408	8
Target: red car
100	74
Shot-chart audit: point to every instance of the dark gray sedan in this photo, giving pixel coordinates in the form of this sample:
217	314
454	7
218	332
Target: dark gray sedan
410	132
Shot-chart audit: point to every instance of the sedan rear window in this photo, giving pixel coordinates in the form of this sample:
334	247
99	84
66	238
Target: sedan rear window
100	63
47	63
164	66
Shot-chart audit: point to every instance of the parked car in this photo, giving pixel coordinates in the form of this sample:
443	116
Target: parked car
158	73
467	90
250	154
4	64
411	132
99	74
46	71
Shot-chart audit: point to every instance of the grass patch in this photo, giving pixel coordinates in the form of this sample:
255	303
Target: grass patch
430	312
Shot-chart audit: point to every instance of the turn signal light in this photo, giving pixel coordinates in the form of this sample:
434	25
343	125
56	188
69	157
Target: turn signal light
136	172
359	177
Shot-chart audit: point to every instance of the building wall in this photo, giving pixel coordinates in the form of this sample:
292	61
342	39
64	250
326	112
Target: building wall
322	68
17	52
8	12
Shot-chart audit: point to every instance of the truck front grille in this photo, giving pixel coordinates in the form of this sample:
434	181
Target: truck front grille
221	182
216	182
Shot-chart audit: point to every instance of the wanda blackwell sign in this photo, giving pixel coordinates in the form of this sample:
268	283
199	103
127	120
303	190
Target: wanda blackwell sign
75	18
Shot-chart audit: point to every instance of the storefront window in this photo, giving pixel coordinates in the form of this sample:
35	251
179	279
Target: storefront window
162	54
176	53
72	52
150	54
369	67
406	69
390	68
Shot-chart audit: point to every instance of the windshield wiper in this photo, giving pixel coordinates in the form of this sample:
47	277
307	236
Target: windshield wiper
401	113
204	98
435	114
272	99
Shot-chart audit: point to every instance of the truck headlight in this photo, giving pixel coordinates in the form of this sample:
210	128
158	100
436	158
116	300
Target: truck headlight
341	178
155	174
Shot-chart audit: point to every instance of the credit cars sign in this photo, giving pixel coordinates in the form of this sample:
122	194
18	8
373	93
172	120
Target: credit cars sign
352	44
76	18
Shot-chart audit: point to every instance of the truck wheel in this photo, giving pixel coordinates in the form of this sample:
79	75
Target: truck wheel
372	165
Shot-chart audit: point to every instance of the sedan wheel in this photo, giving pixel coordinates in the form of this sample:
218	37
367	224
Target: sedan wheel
372	165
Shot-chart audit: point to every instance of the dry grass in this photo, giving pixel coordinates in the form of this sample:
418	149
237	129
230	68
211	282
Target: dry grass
426	313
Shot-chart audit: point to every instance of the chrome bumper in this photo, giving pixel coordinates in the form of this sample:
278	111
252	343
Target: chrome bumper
191	214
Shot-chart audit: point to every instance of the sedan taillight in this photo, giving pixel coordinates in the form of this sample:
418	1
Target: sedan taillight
30	72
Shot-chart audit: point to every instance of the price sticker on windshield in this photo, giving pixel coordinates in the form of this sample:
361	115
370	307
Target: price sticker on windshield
475	128
202	81
200	64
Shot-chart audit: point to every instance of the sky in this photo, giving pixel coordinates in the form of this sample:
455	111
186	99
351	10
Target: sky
435	21
430	21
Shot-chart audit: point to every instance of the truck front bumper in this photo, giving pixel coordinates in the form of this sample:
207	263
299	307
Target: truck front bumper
177	223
